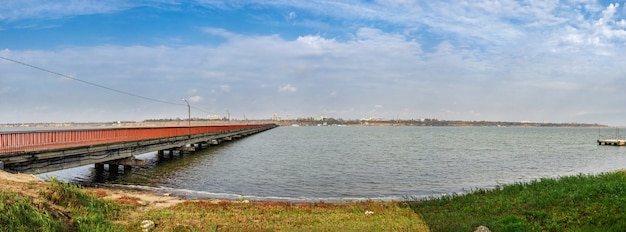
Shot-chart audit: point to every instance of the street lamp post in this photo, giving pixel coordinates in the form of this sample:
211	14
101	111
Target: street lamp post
188	113
228	112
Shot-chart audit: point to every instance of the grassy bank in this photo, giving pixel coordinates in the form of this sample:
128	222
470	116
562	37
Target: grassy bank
574	203
66	207
60	207
277	216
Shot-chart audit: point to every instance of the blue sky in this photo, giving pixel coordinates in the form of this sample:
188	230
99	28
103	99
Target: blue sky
508	60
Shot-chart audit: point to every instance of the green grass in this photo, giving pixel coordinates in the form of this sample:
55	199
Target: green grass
61	207
88	212
19	213
574	203
283	216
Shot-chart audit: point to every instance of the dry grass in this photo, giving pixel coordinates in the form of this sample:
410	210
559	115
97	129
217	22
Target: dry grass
59	206
284	216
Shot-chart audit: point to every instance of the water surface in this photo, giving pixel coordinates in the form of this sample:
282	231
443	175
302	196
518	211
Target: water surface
347	163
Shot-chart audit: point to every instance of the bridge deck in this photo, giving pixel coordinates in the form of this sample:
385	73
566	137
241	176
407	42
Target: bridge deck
25	141
49	150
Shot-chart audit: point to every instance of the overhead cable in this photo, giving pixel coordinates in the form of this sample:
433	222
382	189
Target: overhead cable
97	85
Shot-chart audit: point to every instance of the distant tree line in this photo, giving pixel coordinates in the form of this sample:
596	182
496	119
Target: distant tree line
428	122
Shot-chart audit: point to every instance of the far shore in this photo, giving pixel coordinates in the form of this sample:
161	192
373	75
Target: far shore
298	122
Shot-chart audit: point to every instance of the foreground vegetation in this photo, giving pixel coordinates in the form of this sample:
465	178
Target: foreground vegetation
278	216
67	207
62	207
575	203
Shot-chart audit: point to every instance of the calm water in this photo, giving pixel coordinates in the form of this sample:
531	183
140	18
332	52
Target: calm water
348	163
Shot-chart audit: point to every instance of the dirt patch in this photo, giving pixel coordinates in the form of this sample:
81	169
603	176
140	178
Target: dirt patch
144	200
26	184
31	186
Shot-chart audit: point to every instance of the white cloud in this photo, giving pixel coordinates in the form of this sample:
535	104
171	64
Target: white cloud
41	108
375	67
195	99
221	32
287	88
15	10
486	56
5	90
225	88
292	15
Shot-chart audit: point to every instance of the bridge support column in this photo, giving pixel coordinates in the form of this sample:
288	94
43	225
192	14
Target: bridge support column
114	169
160	154
99	168
127	168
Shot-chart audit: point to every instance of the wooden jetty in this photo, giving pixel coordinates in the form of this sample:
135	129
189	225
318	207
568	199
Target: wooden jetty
612	142
615	141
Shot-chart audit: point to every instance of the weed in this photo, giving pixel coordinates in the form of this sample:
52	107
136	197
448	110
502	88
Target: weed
128	200
20	214
286	216
89	213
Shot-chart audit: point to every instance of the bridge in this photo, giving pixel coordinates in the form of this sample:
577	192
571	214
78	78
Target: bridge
42	151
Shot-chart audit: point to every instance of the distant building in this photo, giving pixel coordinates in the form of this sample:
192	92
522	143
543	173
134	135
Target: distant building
375	119
213	117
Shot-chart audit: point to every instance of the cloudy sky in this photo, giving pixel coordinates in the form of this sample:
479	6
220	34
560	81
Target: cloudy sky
506	60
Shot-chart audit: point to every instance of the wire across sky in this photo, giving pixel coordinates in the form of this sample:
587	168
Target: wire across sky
99	85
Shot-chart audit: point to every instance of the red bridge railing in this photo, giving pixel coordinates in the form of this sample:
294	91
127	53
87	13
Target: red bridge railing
23	141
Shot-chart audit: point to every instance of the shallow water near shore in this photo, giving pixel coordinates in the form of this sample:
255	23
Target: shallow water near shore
335	164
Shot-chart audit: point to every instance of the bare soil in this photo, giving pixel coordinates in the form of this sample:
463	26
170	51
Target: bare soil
31	186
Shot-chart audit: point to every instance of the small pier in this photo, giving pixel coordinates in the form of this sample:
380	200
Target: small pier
615	141
612	142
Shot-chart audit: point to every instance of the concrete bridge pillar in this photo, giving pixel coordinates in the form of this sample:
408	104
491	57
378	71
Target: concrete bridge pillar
114	169
164	154
99	168
127	168
160	154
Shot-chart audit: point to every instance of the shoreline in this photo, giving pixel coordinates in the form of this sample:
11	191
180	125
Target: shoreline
55	205
163	196
547	204
188	194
